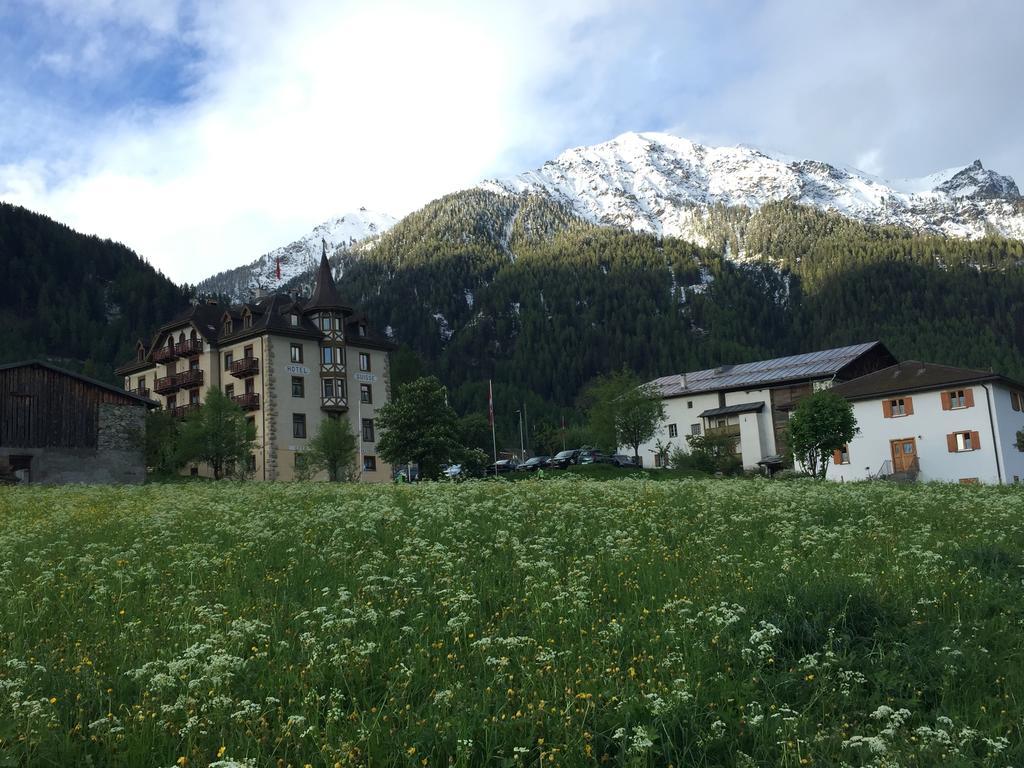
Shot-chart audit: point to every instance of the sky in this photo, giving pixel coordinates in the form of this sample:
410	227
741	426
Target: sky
205	134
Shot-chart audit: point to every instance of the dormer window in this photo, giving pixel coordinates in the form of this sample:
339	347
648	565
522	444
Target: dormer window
247	319
140	353
294	319
229	325
362	329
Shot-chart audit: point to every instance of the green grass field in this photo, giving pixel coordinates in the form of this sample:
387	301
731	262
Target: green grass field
562	622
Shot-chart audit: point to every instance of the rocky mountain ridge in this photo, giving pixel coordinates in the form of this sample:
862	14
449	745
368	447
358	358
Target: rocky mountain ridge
664	184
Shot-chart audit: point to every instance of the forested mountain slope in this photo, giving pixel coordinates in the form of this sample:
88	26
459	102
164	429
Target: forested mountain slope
75	299
517	288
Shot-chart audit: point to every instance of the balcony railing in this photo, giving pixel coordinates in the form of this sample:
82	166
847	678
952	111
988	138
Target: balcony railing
184	411
244	367
190	378
249	401
166	384
163	354
730	430
140	391
188	348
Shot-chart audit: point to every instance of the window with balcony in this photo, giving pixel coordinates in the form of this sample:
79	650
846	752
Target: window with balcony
250	387
364	361
172	402
229	358
193	397
142	383
368	436
298	386
296	351
366	393
229	390
298	425
247	352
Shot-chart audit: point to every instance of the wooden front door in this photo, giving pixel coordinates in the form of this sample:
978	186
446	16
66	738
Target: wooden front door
904	454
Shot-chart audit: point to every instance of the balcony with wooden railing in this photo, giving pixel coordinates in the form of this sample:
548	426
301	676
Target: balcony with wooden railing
184	411
139	391
165	385
164	354
729	430
248	401
188	348
190	378
245	367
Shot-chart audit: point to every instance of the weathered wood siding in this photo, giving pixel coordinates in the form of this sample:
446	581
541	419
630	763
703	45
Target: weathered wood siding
44	408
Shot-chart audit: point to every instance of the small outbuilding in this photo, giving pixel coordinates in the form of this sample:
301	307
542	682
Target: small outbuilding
57	426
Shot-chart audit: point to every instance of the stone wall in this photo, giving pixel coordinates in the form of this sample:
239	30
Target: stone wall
118	458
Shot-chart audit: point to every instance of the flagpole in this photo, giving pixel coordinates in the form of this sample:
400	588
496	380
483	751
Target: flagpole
490	415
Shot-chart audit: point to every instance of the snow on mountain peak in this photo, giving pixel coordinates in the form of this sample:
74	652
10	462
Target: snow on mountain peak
661	183
357	228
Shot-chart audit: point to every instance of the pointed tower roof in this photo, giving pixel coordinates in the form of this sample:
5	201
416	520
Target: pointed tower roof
325	293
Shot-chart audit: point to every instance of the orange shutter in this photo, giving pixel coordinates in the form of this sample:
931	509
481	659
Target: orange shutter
887	408
946	405
951	442
969	398
837	457
908	403
975	440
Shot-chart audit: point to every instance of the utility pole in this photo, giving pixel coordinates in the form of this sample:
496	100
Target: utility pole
526	422
522	445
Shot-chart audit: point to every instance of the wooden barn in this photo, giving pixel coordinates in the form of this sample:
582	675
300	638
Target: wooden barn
61	427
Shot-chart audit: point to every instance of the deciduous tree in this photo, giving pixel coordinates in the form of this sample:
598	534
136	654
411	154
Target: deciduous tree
217	434
822	423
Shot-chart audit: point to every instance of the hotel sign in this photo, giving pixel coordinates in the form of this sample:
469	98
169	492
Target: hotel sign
298	369
369	378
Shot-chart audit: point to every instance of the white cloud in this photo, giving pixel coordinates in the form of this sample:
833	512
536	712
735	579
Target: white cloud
297	115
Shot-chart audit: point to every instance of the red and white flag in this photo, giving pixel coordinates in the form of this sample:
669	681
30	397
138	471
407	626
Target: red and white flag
278	262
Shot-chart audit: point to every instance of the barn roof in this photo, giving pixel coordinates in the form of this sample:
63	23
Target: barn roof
88	380
812	365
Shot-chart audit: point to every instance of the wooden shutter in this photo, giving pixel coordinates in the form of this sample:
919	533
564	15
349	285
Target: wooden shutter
975	441
908	404
969	398
887	408
946	404
837	457
951	442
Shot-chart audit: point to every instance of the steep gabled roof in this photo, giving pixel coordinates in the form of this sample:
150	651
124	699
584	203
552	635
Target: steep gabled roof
915	376
812	365
88	380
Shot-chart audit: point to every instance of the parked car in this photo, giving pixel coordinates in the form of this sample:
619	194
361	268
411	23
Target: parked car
503	465
593	456
453	472
535	463
563	459
622	460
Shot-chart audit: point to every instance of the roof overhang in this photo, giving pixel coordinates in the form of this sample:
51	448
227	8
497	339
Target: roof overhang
732	410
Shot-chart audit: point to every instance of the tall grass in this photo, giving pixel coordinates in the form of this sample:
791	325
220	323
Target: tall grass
562	622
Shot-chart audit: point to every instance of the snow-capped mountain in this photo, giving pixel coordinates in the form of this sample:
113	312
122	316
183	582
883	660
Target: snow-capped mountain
660	183
347	232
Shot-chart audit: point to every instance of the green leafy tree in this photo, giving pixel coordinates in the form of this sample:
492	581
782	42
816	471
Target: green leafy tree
333	449
419	427
217	434
162	451
710	453
621	411
822	423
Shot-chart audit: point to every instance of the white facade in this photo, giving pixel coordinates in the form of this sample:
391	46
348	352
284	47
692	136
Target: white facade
989	457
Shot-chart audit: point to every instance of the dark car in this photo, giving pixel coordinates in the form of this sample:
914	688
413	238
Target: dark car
565	458
535	463
592	456
502	465
622	460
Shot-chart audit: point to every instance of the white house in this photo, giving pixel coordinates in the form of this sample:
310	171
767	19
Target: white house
933	422
752	401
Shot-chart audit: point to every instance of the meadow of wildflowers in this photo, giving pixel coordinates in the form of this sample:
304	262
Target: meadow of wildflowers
555	622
